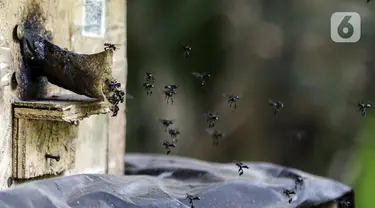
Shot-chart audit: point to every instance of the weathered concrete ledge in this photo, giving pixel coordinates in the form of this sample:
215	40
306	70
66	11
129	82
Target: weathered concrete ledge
69	108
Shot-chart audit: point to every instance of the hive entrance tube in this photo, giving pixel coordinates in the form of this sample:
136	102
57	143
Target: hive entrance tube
84	74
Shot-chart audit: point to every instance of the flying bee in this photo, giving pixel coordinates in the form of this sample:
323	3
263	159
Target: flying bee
149	77
240	166
110	46
211	118
343	203
289	194
278	105
148	87
191	199
232	100
216	136
169	95
363	107
203	77
167	145
118	97
298	181
187	50
299	134
174	133
166	123
113	85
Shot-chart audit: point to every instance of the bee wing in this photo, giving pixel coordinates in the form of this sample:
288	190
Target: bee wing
207	114
212	113
206	74
114	44
197	75
165	119
144	76
172	129
236	162
162	89
128	96
355	104
166	87
354	100
160	119
210	131
225	95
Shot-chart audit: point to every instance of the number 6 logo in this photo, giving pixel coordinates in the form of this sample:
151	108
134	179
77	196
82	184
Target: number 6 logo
345	27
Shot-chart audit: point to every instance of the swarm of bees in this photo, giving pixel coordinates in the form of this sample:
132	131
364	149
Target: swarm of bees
241	166
116	96
211	118
191	199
